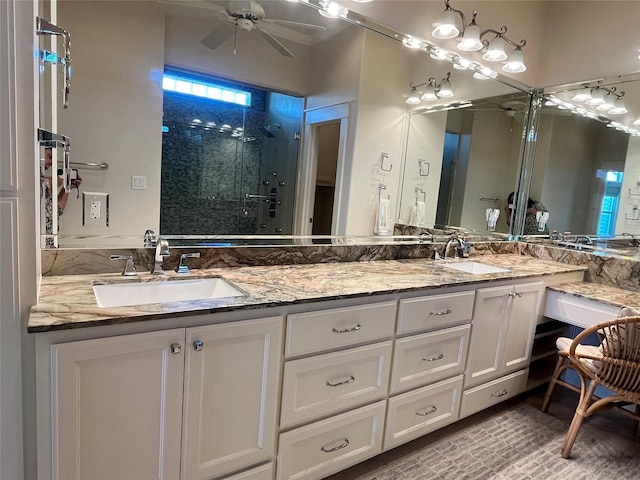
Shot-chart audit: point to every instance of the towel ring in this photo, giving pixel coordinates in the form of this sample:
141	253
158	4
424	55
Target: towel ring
382	186
421	169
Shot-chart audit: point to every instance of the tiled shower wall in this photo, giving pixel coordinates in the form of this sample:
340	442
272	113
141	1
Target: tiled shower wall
207	169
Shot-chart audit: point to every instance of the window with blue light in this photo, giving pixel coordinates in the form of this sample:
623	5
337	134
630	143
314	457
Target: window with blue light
198	88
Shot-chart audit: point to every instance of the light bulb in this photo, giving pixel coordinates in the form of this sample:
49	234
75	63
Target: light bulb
411	42
495	52
413	97
470	39
515	63
446	25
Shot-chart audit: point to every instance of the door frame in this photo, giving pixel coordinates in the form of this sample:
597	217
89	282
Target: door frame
307	169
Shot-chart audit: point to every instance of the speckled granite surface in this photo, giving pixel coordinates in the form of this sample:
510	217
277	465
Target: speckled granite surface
67	301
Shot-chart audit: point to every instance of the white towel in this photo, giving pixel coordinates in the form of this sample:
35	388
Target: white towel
383	217
420	213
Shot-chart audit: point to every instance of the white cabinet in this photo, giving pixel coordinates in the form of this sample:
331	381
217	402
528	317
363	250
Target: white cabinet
117	407
231	392
194	403
502	331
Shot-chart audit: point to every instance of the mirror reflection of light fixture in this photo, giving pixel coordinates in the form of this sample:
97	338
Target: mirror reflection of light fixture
412	42
431	92
597	96
471	39
331	9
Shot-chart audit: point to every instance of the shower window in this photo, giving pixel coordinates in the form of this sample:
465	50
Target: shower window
229	158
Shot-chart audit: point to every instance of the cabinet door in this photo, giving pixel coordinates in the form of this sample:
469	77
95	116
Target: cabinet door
232	375
524	305
117	406
487	335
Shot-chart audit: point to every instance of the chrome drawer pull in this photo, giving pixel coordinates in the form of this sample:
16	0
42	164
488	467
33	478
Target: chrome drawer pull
427	411
499	394
442	312
351	379
348	329
438	356
515	294
344	444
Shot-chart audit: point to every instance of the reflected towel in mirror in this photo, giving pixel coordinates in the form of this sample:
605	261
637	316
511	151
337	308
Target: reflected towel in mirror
418	214
383	218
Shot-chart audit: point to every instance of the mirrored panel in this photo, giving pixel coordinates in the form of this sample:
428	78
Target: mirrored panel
462	162
587	161
142	164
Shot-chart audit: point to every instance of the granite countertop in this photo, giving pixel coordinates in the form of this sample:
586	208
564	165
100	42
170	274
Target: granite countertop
67	301
616	297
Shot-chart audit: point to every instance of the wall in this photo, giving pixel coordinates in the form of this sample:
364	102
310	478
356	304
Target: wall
122	60
493	163
381	121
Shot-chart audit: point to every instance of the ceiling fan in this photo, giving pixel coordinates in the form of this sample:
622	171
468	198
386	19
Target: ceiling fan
249	16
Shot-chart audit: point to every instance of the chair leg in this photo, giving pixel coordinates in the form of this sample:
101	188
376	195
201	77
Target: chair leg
578	419
552	384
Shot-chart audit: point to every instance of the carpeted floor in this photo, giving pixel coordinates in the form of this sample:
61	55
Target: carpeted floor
520	443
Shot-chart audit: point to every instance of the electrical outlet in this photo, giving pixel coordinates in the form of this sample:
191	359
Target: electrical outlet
95	209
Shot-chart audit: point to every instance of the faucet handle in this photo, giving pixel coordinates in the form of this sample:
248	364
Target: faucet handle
183	269
129	268
150	239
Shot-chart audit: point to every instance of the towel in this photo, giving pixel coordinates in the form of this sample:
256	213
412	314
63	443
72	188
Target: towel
420	213
383	217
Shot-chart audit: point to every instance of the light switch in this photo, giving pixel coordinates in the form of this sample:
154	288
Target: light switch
138	182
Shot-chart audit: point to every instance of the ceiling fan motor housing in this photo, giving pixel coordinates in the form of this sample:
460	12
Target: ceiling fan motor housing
245	10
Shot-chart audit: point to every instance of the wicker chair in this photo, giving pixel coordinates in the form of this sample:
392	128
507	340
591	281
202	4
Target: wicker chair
615	365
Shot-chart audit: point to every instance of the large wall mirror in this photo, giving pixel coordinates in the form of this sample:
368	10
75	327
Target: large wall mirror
587	161
173	166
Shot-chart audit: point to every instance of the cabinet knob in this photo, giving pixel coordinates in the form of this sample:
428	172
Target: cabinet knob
198	345
515	294
176	348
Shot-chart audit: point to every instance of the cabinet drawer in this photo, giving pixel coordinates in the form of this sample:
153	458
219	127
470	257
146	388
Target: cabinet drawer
577	311
327	383
436	311
488	394
323	448
430	357
421	411
263	472
340	327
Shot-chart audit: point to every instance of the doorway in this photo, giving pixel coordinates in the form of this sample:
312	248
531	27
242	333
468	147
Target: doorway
328	142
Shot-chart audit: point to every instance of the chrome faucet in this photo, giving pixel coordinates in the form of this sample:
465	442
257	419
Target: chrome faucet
162	250
449	244
580	239
129	268
183	269
634	241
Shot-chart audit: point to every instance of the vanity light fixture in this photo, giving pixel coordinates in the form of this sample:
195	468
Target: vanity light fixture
431	92
603	98
471	39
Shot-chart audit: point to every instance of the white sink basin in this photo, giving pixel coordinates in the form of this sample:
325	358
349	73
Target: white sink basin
141	293
474	267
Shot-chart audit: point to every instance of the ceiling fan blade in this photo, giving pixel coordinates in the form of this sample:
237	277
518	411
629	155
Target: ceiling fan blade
295	24
274	42
216	38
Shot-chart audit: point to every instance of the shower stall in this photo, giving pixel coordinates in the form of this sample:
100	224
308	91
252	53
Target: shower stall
229	169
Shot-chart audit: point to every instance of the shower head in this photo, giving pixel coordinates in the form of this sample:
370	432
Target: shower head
266	130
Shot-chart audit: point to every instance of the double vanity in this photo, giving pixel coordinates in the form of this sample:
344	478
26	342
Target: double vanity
292	371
